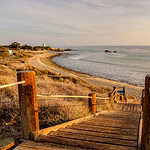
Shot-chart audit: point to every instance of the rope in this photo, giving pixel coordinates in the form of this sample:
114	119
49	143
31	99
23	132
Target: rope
63	96
61	105
114	92
66	96
12	84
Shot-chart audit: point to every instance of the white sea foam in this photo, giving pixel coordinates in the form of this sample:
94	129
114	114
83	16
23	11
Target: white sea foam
129	64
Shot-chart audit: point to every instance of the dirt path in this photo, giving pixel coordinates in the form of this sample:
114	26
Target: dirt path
39	62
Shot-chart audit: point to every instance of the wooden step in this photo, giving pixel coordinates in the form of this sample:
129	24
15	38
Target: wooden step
104	130
83	143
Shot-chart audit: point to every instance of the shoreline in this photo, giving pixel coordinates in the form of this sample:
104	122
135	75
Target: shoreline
82	73
133	90
103	78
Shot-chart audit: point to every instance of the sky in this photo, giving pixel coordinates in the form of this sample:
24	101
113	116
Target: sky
75	22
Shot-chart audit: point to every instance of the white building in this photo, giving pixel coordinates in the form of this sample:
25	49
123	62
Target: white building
44	45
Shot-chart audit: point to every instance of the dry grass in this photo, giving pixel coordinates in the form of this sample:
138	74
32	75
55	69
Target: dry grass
38	72
51	111
61	111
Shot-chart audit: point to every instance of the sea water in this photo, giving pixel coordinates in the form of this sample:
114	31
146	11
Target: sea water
129	64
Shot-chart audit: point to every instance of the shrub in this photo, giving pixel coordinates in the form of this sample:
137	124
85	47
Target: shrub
15	45
26	47
4	54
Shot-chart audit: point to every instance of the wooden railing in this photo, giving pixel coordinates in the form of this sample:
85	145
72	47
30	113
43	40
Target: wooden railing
117	97
145	139
29	105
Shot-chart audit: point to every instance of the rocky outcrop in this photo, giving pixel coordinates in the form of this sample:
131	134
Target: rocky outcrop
109	51
68	49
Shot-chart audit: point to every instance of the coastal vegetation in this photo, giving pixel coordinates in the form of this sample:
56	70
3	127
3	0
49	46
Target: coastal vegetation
18	46
52	111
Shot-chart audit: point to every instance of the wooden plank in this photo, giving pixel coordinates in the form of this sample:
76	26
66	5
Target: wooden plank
101	134
129	117
112	123
63	125
82	143
96	139
83	135
128	107
104	130
117	115
119	119
125	121
108	124
108	127
31	145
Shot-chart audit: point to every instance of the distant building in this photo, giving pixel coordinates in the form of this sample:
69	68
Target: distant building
44	45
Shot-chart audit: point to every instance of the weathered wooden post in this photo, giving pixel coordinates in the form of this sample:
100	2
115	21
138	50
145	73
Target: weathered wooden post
116	94
145	140
113	95
92	103
124	95
142	98
28	104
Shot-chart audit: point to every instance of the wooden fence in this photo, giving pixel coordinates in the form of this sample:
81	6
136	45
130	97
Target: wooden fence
29	105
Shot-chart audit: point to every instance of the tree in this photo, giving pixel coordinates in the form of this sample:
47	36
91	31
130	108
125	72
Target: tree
15	45
26	47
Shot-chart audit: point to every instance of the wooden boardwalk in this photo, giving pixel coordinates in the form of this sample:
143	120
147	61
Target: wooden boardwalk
115	130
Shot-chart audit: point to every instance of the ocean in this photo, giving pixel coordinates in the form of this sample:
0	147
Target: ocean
129	64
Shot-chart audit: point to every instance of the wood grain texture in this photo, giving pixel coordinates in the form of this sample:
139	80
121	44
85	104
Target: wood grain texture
109	130
28	104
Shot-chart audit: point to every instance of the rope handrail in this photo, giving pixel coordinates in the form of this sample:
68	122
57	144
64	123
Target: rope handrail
70	105
67	96
12	84
114	92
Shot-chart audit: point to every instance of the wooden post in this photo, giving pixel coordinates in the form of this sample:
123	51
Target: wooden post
124	99
142	98
92	103
112	97
28	104
116	94
145	140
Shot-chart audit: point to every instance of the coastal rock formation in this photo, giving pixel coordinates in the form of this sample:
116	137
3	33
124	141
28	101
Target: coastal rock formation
109	51
68	49
59	50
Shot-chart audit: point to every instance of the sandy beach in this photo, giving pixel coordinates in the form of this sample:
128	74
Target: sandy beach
45	61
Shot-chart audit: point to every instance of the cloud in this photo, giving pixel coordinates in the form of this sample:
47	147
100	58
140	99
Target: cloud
75	22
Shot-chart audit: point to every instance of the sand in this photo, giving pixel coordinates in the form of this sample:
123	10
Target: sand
45	61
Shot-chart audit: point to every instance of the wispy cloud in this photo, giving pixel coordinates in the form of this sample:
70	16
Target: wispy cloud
73	22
